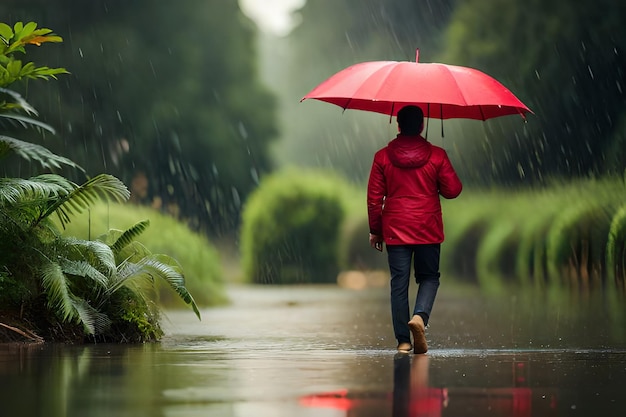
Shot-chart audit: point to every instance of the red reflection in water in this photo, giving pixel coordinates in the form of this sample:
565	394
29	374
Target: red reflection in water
412	396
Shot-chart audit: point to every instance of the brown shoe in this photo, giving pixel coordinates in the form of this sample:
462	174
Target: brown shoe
419	335
404	347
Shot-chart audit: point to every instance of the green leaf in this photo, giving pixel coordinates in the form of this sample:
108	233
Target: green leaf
34	152
167	268
129	235
93	320
86	270
26	122
43	187
6	32
97	254
42	32
155	267
17	28
20	101
101	187
14	68
56	286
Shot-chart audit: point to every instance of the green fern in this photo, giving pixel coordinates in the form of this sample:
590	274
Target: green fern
39	188
94	321
101	187
100	284
34	152
152	268
18	102
56	286
128	236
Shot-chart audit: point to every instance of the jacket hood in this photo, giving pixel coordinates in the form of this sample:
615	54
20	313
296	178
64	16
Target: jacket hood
409	151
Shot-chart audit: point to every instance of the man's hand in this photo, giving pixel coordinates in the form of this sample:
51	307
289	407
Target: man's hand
376	242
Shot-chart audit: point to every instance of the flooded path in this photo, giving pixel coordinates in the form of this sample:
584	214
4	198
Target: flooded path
328	351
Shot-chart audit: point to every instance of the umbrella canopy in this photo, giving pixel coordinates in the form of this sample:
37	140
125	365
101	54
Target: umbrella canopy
442	91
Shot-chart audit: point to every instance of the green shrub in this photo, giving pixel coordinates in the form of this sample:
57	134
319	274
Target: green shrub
616	250
290	228
465	221
576	243
559	233
356	252
540	210
197	256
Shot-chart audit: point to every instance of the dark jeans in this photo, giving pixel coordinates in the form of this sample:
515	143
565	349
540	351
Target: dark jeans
426	265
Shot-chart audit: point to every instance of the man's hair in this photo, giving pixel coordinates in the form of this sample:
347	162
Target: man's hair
410	120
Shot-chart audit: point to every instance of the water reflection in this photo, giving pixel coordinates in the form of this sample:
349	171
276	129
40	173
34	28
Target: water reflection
496	384
412	394
325	351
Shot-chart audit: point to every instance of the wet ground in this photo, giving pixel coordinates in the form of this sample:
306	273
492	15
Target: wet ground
328	351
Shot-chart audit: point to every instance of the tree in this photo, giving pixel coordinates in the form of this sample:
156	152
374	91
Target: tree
330	37
566	63
164	92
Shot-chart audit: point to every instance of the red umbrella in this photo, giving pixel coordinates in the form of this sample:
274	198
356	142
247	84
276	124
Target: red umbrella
442	91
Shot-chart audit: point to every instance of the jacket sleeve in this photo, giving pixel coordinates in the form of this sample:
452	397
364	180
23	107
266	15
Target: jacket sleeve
376	192
450	185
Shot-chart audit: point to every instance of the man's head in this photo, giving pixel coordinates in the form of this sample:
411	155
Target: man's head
410	120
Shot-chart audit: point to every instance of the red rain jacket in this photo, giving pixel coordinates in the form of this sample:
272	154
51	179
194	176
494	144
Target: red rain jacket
405	183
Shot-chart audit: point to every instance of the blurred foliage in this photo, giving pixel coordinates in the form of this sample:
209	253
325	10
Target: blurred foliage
552	237
291	227
355	251
65	288
197	256
330	37
164	95
566	62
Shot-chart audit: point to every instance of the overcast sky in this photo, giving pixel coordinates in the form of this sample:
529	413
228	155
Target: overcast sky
271	15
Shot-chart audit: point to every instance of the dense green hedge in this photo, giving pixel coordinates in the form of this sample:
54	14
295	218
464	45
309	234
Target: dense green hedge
197	256
291	227
355	250
569	234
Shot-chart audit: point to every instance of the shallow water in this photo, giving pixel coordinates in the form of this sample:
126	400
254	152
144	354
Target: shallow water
328	351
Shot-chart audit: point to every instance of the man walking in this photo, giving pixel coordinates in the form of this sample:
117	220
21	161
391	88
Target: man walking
404	210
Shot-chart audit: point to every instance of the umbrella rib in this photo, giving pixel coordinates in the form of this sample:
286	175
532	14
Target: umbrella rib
347	104
441	116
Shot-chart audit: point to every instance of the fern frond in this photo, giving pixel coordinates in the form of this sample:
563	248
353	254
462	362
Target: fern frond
84	269
129	235
26	122
93	320
167	268
96	254
39	188
156	267
34	152
20	102
56	287
101	187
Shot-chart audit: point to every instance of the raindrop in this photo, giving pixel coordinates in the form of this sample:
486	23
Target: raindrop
236	197
242	131
255	175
